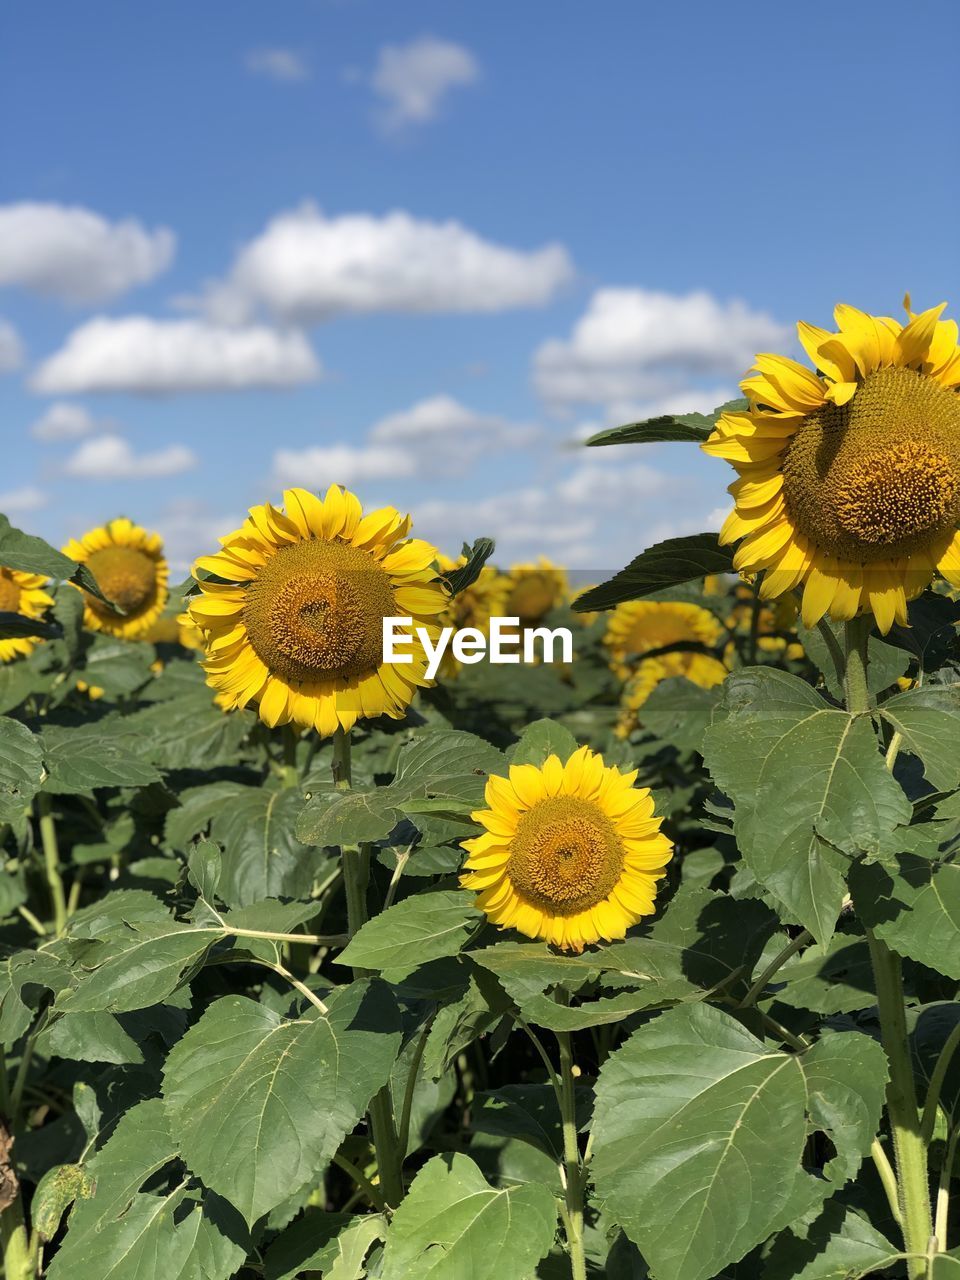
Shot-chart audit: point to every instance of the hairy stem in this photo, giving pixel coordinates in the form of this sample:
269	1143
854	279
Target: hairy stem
51	861
356	874
573	1182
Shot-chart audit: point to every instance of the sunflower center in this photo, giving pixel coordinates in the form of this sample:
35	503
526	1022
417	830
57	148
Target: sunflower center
532	597
126	576
9	593
565	857
878	477
315	612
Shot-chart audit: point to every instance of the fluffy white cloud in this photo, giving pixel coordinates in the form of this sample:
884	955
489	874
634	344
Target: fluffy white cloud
319	467
63	421
306	267
189	529
11	348
411	80
140	354
113	458
75	254
28	498
637	344
277	64
449	437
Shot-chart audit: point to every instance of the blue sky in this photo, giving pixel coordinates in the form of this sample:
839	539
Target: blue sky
421	249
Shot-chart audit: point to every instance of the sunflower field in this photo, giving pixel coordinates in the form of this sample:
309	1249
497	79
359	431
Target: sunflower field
637	963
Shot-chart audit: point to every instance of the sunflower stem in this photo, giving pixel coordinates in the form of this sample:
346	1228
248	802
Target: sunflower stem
289	773
909	1148
356	876
51	861
573	1168
18	1261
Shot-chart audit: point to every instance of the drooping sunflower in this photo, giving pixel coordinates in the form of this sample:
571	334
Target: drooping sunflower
534	590
130	569
850	476
293	618
571	852
21	593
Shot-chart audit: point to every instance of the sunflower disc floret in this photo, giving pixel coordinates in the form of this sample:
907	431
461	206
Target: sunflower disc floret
292	616
850	475
570	853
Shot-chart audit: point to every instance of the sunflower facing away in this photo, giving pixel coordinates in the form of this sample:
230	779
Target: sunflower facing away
850	476
534	589
294	622
130	570
571	853
21	593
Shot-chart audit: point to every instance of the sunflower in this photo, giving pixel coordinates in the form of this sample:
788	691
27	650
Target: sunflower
638	627
571	853
188	633
21	593
850	475
534	590
292	618
130	570
473	607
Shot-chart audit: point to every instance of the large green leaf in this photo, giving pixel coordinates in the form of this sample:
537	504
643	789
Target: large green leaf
664	565
262	857
836	978
334	1244
693	1113
424	927
21	767
122	1233
929	721
99	753
809	785
24	551
667	427
541	739
190	732
839	1244
261	1103
913	904
453	1223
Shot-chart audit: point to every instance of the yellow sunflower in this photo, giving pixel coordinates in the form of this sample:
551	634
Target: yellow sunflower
21	593
130	569
534	590
850	475
474	607
637	627
571	853
293	619
188	633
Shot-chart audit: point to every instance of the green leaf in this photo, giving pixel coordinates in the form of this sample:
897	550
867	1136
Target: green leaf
664	565
89	1037
836	978
838	1245
929	721
22	969
261	855
886	662
467	574
99	753
123	1234
55	1193
913	904
116	666
205	865
678	712
424	927
21	767
453	1223
667	427
261	1103
334	1244
190	732
693	1113
809	785
23	551
541	739
14	626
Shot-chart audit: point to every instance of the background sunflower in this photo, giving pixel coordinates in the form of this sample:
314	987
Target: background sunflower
130	569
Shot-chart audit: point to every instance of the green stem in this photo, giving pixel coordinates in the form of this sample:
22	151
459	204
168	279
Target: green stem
932	1100
909	1148
289	773
356	875
573	1182
910	1152
942	1224
403	1129
803	938
14	1239
51	861
363	1182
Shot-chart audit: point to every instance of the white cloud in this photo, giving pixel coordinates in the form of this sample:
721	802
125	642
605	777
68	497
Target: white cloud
637	344
28	498
74	254
11	348
319	467
140	354
412	79
447	436
189	530
285	65
306	267
63	421
113	458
